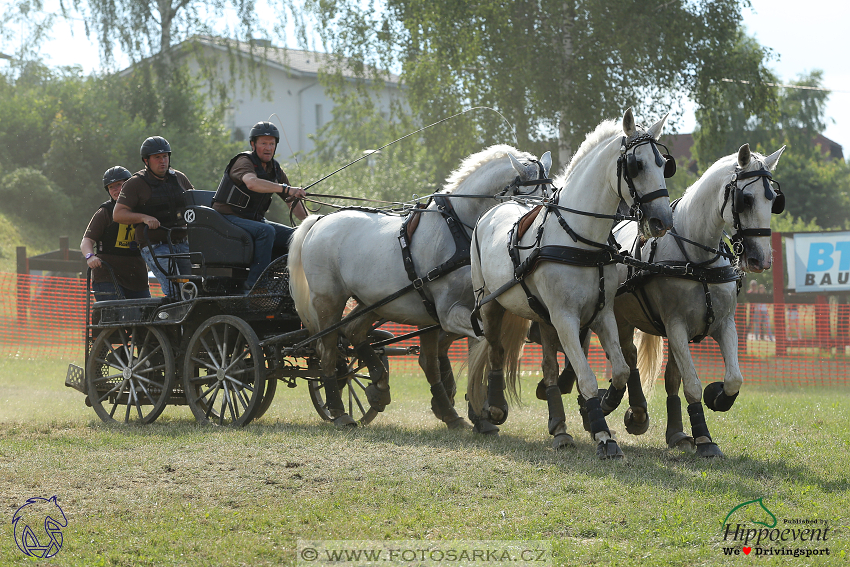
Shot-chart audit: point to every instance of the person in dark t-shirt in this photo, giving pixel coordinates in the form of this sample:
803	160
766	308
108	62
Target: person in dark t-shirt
245	193
110	248
151	199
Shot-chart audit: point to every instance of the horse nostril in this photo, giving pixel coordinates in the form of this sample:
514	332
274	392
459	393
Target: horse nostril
656	226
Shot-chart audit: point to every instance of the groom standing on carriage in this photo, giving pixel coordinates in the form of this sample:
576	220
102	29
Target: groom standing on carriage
245	193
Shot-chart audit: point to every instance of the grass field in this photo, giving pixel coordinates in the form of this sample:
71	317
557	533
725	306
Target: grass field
174	493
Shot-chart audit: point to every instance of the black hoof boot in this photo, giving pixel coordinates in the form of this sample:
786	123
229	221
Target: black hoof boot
611	398
334	405
582	410
496	408
609	450
379	399
675	435
479	424
716	399
636	419
705	446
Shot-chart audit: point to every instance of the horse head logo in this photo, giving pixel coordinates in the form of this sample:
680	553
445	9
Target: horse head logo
38	527
754	509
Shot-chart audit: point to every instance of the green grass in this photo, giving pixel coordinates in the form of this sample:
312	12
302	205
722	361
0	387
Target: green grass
175	493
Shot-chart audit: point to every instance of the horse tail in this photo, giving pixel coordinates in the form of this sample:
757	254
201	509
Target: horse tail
298	286
512	335
650	355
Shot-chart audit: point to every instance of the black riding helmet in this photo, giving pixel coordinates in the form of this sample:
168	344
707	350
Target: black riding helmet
264	129
116	173
154	145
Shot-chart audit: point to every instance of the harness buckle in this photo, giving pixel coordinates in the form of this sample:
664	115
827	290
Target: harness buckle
688	270
418	283
433	274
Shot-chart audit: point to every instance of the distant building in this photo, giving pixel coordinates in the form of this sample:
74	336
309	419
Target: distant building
291	89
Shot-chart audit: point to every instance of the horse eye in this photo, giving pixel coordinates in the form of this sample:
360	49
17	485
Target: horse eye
748	200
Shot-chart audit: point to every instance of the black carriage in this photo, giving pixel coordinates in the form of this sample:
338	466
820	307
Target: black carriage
216	349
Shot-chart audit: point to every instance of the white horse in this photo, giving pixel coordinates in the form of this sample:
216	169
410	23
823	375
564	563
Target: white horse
357	253
573	284
733	195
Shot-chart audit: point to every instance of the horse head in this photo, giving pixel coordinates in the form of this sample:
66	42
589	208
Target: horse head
749	198
643	168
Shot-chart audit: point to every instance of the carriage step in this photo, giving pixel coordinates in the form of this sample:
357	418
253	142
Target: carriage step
76	378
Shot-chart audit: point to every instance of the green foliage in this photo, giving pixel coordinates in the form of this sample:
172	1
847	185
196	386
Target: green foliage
28	194
555	69
72	128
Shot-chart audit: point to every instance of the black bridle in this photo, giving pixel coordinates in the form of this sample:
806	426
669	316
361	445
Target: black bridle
629	167
741	201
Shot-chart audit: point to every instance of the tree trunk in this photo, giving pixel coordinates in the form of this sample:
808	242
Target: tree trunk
565	149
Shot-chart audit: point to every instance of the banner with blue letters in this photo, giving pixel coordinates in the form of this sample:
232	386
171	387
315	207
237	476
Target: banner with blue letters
821	261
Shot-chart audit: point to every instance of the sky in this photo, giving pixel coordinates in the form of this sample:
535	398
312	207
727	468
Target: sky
803	36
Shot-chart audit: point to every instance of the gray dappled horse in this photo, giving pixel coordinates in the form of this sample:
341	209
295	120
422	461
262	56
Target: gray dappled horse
356	253
562	263
734	195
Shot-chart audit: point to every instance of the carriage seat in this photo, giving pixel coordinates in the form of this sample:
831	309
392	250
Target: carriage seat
223	244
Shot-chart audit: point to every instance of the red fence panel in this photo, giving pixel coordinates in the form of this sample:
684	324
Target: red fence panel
44	317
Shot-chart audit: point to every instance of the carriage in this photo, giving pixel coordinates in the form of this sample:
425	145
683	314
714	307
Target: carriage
215	349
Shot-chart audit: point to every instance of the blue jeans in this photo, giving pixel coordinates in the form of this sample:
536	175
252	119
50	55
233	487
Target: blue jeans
105	291
183	265
267	236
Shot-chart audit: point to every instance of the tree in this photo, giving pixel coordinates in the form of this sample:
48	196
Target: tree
556	68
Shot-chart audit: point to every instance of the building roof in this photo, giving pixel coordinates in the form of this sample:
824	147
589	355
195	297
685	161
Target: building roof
294	61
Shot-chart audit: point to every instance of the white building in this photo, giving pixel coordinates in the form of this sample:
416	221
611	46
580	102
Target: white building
286	83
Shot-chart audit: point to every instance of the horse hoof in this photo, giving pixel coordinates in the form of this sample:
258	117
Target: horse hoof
682	442
609	450
563	440
633	426
458	423
709	451
540	392
498	414
484	427
378	399
344	421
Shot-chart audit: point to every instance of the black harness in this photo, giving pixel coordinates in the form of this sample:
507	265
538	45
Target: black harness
628	167
742	201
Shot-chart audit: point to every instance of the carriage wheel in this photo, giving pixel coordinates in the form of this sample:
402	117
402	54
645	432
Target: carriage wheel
268	396
130	374
353	380
224	372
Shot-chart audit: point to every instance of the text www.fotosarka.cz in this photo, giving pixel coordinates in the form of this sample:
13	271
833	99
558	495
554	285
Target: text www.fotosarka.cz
532	553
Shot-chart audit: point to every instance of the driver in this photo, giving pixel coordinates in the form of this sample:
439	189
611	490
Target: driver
245	193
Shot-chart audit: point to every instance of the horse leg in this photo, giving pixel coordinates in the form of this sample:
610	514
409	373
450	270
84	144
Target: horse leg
557	418
719	396
568	333
328	349
378	390
440	402
447	376
636	418
491	314
678	342
605	328
675	434
567	378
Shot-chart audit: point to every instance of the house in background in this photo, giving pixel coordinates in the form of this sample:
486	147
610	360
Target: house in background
286	84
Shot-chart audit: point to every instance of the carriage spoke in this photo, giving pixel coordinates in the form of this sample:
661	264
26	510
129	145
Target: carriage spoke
211	402
211	354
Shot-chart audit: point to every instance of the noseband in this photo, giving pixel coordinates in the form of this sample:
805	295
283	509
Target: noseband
628	167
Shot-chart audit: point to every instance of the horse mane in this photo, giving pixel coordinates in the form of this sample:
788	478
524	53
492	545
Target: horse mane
720	167
476	160
602	132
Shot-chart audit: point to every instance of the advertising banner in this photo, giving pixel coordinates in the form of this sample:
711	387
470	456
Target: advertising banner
820	260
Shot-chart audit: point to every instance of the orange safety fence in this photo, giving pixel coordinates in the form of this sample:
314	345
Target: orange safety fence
44	317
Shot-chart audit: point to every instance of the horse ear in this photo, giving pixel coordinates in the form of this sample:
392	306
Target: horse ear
629	123
655	129
520	168
546	161
771	160
744	155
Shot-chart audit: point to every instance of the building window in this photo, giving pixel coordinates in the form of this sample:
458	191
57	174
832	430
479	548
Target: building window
319	118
